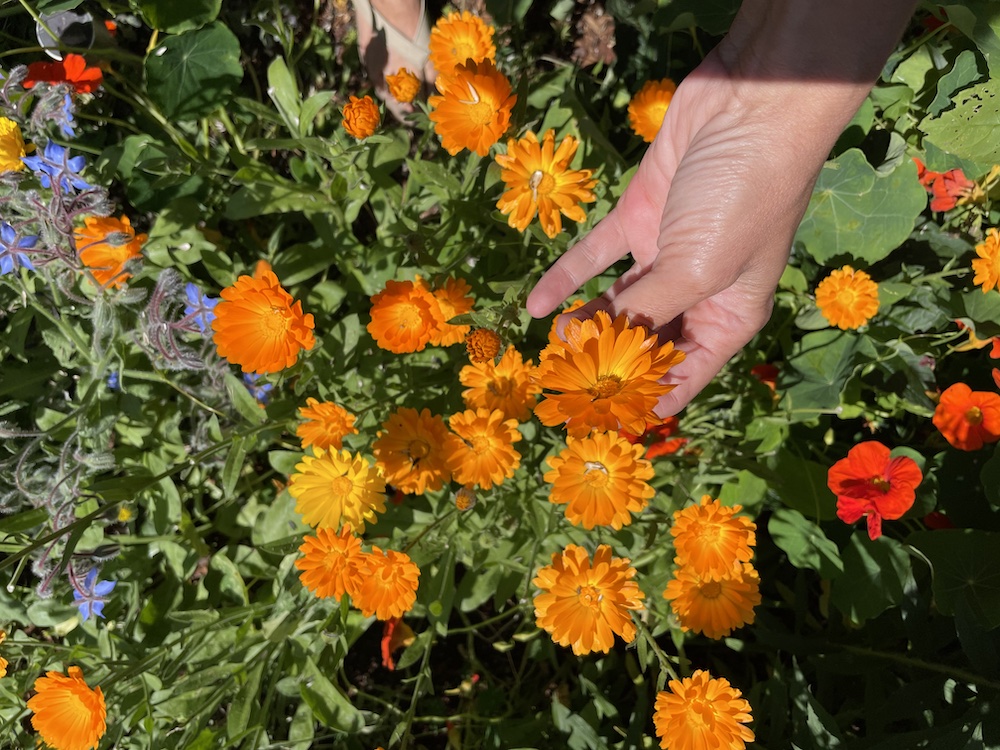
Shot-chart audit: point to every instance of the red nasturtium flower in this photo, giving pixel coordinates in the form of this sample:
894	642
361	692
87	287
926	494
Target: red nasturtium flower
871	483
71	69
396	634
947	189
968	419
657	439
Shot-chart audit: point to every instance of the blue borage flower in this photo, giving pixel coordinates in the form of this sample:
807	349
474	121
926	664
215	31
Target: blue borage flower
91	598
260	391
199	307
10	244
66	120
55	161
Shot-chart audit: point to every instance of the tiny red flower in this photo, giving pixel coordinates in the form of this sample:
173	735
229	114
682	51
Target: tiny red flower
767	374
871	483
71	69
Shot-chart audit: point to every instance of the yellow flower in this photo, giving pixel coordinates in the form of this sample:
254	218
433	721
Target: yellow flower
714	605
410	451
847	298
540	181
329	562
68	714
508	385
334	488
601	479
586	605
403	85
326	424
605	376
105	245
649	106
11	146
458	37
474	107
361	117
453	299
987	265
481	451
482	345
702	713
388	586
711	539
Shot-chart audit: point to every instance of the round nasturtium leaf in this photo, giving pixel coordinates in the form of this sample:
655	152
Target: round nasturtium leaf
177	16
193	73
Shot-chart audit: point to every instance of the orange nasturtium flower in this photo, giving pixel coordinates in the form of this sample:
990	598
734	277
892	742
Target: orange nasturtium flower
259	326
508	385
326	424
605	376
868	482
105	244
539	181
453	299
72	69
11	146
648	108
481	450
405	316
585	605
711	539
403	85
396	634
388	585
458	37
714	606
847	298
702	711
361	117
329	562
410	451
968	419
68	714
602	480
334	488
987	265
473	109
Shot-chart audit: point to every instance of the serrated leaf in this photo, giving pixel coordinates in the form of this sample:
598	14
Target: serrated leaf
858	212
971	129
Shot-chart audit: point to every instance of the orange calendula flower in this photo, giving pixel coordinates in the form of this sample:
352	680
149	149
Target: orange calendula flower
68	714
405	316
336	488
403	85
987	265
410	451
459	37
602	480
508	385
702	712
539	181
326	424
395	635
72	69
869	482
605	376
361	117
554	328
585	605
329	562
3	662
847	298
968	419
465	499
482	345
648	108
453	299
259	326
105	244
389	583
711	539
474	107
712	605
481	451
11	146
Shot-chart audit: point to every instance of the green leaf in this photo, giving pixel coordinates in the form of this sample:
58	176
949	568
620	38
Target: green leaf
331	707
177	16
982	308
246	703
801	484
194	73
234	465
858	212
244	403
748	491
979	20
971	129
805	543
991	479
284	92
826	361
28	519
964	563
963	72
875	574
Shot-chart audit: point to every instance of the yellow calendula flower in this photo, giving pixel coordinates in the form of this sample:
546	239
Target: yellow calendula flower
11	146
987	264
335	488
539	181
847	298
